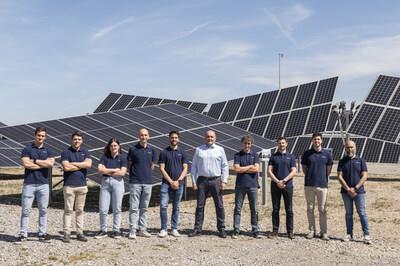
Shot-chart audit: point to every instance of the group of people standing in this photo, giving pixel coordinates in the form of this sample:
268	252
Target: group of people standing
209	171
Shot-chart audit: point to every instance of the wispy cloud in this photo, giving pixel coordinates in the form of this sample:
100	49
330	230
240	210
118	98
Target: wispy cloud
183	34
359	59
234	50
106	30
287	20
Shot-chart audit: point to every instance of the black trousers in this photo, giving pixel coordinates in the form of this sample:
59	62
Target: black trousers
276	194
204	187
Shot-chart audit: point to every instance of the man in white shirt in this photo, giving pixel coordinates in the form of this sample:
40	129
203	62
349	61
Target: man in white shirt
210	173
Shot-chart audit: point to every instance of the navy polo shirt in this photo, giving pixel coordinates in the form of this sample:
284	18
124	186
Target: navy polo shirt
245	180
142	159
352	169
118	161
75	178
39	176
282	165
317	163
173	160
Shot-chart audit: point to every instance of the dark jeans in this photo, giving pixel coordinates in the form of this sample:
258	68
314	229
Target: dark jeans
252	195
204	187
287	194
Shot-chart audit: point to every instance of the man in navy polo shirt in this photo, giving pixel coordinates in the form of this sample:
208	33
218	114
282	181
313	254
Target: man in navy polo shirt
352	174
247	167
282	169
317	166
36	159
141	160
75	161
173	166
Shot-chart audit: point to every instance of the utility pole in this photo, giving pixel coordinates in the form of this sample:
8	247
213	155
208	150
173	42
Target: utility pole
280	55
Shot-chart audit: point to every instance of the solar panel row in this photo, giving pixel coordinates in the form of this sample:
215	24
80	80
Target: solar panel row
379	115
371	150
116	101
9	153
292	111
160	120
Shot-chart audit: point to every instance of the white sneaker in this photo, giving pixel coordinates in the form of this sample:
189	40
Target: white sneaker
175	233
347	238
163	233
325	237
143	233
132	235
367	240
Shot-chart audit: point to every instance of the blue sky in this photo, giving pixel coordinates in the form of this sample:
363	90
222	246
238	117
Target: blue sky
61	58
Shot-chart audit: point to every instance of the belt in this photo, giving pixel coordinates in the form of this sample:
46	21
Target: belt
209	177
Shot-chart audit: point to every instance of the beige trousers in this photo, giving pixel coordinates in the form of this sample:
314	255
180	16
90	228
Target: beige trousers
321	194
74	197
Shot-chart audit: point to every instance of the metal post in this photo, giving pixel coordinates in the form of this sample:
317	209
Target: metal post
50	177
279	70
185	188
264	183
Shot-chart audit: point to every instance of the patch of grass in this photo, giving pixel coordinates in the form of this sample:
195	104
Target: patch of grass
375	220
82	256
161	246
396	221
52	258
382	203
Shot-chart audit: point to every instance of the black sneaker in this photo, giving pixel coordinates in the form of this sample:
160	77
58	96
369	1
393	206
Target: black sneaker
194	233
44	238
100	235
116	235
67	238
19	239
81	237
256	234
235	234
222	233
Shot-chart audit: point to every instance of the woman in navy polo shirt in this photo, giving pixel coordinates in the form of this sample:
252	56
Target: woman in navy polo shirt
113	167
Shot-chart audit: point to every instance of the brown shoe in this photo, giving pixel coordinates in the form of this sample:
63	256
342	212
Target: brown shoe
81	237
273	235
290	235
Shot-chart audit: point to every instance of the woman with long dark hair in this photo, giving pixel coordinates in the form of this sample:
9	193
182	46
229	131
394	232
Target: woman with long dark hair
112	167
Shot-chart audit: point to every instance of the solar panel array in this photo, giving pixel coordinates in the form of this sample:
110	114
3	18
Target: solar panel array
371	150
125	124
117	101
289	112
10	153
378	119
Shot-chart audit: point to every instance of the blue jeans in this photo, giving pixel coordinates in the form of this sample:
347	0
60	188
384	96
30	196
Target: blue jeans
139	199
167	193
29	192
252	195
359	201
112	190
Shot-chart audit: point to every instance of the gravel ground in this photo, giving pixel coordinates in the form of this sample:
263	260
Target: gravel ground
382	206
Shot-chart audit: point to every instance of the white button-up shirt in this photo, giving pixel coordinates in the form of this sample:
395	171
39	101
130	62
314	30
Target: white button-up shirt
210	161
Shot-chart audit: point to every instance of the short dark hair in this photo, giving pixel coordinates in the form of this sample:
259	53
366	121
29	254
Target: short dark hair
247	138
77	134
281	138
173	132
107	151
40	129
316	134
